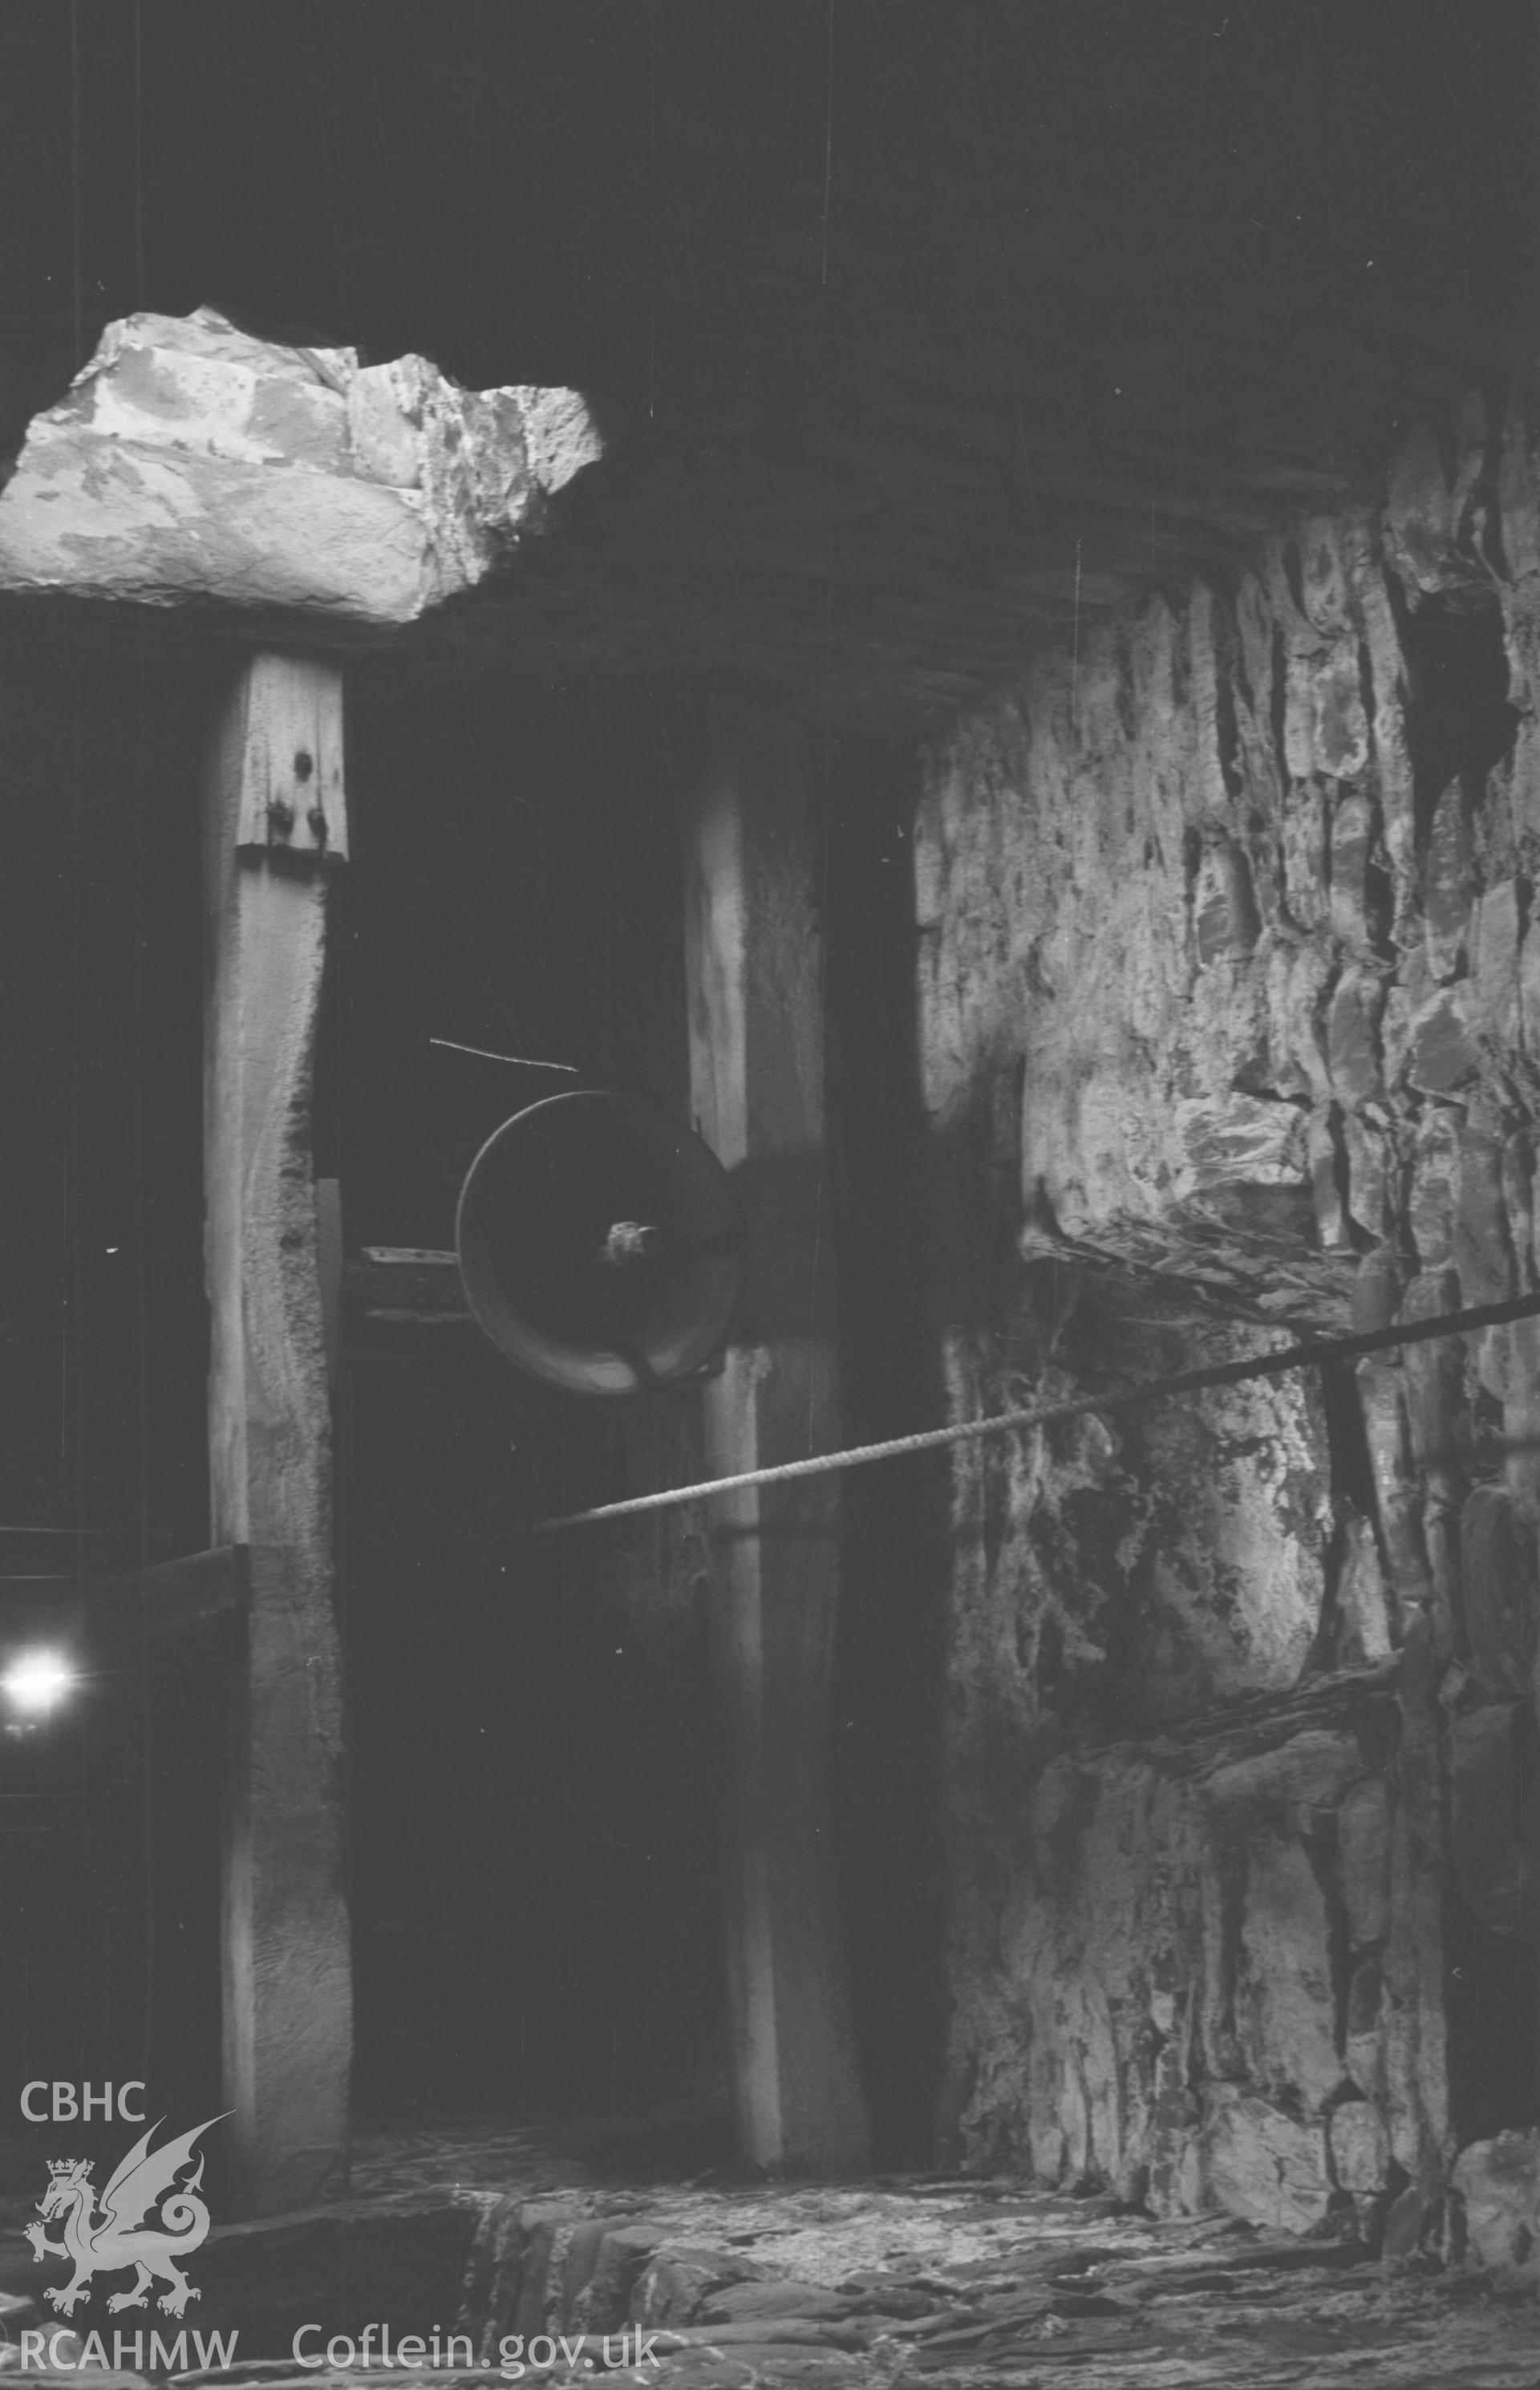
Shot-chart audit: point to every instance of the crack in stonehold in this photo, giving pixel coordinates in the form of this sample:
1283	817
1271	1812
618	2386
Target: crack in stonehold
1278	709
1226	725
1366	697
1319	1840
1379	888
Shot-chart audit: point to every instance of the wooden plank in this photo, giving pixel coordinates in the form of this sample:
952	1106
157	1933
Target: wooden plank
287	1979
406	1286
166	1599
68	1551
753	962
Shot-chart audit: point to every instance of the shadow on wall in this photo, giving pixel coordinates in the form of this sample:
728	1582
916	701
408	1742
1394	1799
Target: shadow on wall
888	1695
531	1788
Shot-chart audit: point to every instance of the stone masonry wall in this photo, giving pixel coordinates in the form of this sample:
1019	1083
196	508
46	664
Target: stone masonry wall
1230	1016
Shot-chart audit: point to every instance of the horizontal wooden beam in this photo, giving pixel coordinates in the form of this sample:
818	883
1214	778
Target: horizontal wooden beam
404	1286
165	1599
182	1594
71	1551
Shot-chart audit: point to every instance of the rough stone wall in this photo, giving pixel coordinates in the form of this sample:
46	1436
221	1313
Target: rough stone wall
1230	1008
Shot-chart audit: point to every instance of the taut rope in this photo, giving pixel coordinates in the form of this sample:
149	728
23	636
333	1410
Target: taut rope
1186	1382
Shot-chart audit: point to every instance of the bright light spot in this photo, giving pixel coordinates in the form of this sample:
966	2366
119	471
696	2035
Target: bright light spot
37	1682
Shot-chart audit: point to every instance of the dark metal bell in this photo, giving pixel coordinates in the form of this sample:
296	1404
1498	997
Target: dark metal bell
598	1245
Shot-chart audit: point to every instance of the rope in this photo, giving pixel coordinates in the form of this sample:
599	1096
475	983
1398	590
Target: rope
1186	1382
519	1062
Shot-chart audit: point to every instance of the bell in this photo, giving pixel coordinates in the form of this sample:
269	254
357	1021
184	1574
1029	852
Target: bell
598	1245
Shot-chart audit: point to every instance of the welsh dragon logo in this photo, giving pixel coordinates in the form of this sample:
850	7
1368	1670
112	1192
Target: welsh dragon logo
141	2220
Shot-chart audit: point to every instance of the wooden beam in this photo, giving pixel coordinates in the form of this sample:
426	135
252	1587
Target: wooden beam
403	1286
753	962
173	1597
105	1612
287	1981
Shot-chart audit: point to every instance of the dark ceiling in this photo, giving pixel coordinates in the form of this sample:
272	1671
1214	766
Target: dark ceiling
920	330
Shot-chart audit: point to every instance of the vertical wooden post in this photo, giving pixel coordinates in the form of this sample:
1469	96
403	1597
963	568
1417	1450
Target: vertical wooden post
272	816
754	960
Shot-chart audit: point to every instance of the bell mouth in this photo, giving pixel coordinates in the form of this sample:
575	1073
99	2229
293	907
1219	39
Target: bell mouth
598	1245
